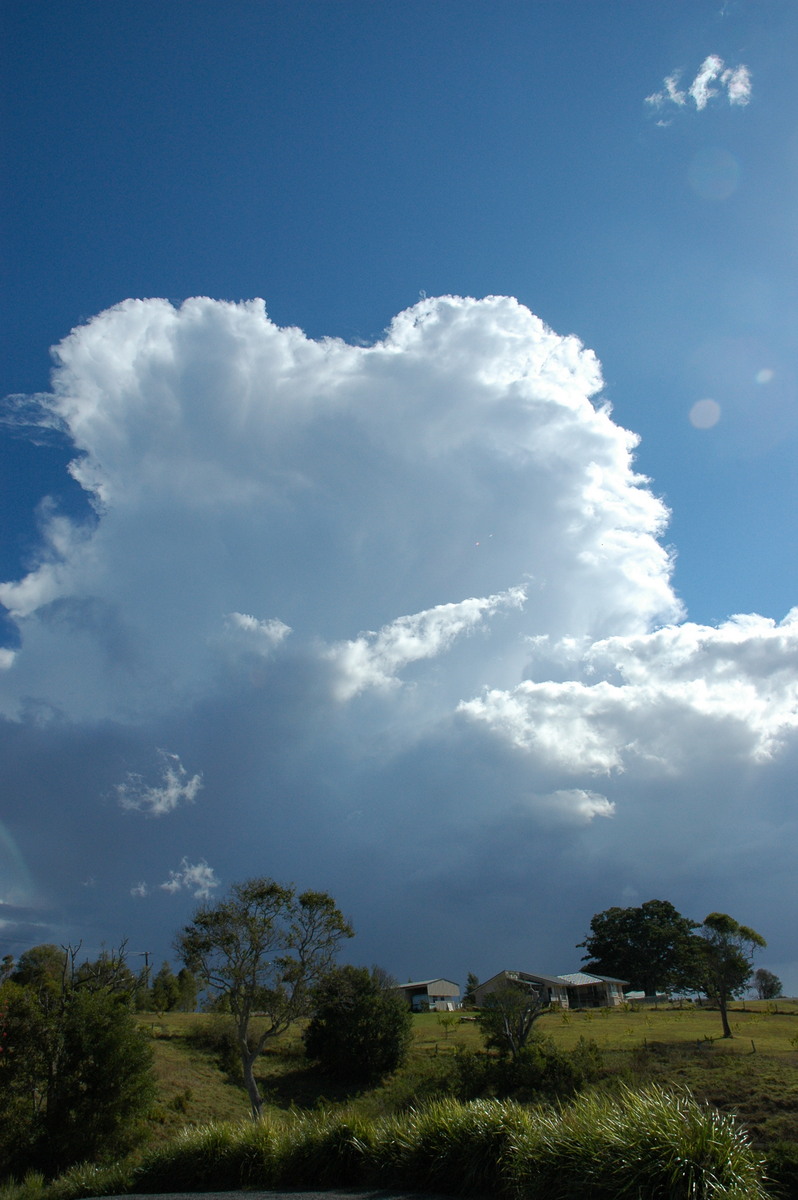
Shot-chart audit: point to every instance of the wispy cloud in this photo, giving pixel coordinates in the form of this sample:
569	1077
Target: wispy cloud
175	788
373	659
712	79
261	636
197	878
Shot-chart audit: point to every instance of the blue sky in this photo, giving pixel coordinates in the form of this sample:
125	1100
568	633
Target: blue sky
364	589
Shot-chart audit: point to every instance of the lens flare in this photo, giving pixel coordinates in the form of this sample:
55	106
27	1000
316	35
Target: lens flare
704	414
714	173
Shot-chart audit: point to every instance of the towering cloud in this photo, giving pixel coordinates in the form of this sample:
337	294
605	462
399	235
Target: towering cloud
404	613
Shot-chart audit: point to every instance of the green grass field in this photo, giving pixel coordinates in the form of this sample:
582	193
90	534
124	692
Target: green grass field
753	1076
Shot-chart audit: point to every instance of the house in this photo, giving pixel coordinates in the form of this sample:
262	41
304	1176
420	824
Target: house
594	991
578	990
440	995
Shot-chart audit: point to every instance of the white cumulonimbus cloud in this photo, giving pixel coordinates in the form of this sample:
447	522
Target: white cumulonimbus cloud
234	465
175	788
197	878
659	698
713	78
259	499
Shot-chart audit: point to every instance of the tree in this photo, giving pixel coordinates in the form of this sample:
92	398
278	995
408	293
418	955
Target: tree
651	946
40	965
768	985
263	950
469	995
361	1026
165	990
109	971
186	991
727	950
508	1015
75	1071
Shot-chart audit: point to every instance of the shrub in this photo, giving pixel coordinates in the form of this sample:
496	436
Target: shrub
75	1077
540	1071
360	1028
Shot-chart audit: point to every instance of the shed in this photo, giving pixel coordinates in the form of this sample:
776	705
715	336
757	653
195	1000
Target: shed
442	995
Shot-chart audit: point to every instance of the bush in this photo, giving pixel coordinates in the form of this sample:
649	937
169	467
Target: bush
541	1071
360	1028
75	1077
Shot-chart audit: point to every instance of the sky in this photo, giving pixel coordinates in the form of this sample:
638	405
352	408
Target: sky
397	484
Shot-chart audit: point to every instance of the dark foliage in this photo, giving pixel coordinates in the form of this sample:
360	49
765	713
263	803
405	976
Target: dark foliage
768	986
360	1028
75	1073
651	947
541	1071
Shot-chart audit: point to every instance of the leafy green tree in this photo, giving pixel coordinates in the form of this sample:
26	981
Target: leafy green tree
186	991
469	995
651	946
263	950
726	955
75	1072
508	1016
165	990
768	986
361	1026
40	965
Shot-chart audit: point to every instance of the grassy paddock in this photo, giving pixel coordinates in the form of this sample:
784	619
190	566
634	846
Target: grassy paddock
673	1047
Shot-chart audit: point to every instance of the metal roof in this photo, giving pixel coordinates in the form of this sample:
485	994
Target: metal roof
550	979
580	978
426	982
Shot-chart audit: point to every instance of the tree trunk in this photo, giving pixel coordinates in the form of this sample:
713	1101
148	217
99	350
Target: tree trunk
255	1098
727	1033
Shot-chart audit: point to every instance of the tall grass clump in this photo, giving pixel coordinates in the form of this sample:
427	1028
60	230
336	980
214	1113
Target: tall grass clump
450	1147
608	1147
325	1150
637	1143
89	1179
212	1157
31	1187
314	1149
